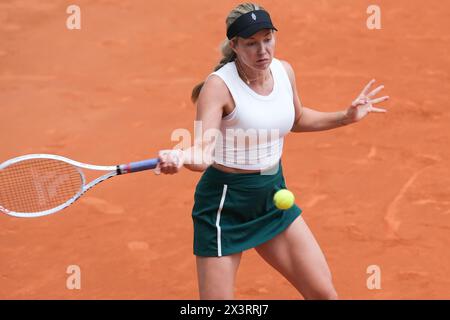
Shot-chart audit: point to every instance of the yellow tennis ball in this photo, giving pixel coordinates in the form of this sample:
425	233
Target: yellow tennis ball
283	199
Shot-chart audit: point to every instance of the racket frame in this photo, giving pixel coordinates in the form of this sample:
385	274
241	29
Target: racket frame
112	172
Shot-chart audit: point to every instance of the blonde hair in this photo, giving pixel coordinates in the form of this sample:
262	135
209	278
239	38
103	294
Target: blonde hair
228	54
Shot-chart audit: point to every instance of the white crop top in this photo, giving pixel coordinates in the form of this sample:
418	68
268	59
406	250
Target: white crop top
252	135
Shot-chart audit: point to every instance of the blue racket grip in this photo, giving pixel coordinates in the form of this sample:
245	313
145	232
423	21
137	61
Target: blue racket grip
138	166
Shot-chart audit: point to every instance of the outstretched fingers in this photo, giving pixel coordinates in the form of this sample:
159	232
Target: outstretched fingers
378	100
373	109
364	98
375	91
367	87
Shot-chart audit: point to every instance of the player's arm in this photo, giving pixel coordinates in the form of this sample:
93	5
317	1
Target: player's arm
210	105
307	119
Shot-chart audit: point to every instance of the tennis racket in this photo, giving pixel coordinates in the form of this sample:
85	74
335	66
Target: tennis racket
36	185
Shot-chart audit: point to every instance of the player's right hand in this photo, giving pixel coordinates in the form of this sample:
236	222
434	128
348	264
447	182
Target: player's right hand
170	161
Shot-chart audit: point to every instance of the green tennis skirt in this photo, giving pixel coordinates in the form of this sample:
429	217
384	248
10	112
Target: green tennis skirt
234	212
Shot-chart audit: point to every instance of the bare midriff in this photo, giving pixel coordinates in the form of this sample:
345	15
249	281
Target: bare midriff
233	170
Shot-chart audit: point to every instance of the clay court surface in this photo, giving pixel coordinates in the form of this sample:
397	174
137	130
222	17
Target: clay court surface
373	193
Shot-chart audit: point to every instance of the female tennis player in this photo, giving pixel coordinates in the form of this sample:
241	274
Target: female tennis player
233	209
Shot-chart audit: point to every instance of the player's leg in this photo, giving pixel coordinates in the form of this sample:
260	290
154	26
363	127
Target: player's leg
216	276
296	254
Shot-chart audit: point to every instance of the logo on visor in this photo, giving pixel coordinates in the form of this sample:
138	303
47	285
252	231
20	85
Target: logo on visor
253	16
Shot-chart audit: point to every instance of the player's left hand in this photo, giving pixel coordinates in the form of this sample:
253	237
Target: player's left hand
363	104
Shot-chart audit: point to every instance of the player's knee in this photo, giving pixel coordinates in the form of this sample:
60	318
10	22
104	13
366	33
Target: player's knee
325	292
216	295
329	294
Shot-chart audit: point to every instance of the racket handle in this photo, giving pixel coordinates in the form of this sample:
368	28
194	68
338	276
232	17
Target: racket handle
137	166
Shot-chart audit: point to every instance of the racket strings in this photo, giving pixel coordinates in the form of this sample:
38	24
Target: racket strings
37	185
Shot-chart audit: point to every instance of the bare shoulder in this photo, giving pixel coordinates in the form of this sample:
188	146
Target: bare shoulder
214	87
215	93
